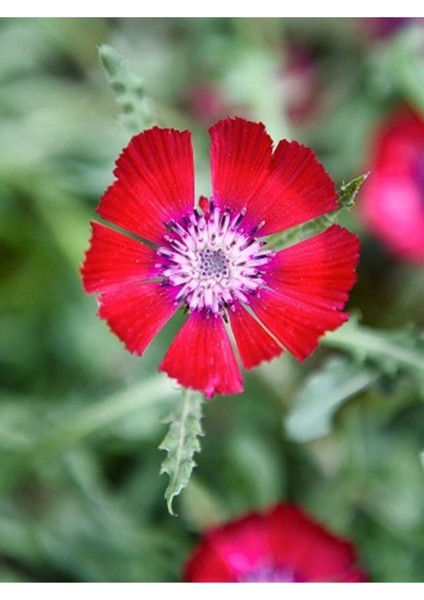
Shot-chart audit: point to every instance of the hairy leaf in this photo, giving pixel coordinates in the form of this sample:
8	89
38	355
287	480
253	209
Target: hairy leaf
129	90
181	443
390	351
322	394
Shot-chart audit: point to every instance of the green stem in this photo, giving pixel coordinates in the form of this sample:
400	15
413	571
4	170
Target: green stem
301	232
346	200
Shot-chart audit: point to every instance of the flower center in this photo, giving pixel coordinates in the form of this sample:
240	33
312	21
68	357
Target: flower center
213	260
213	263
269	574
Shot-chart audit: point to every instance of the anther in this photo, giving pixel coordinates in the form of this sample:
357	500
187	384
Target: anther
257	228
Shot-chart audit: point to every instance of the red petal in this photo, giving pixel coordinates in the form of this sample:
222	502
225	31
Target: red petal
136	312
232	550
201	357
155	183
114	259
319	271
310	283
207	566
240	157
283	189
298	326
253	342
297	189
309	549
283	538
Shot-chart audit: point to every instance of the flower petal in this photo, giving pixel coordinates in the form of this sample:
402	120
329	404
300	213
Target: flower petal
201	357
206	565
309	285
242	543
155	183
312	552
283	189
392	207
137	311
319	271
115	259
298	326
240	157
297	189
253	342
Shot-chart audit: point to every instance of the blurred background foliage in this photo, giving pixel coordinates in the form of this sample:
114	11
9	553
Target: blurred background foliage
81	420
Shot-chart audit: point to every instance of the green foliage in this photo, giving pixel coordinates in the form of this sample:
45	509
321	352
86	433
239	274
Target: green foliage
376	354
321	396
349	191
401	64
129	89
181	443
81	418
393	352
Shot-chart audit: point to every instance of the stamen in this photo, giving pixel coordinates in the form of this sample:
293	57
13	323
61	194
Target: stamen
212	260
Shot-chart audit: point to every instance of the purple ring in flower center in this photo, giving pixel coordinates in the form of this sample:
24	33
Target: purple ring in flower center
213	260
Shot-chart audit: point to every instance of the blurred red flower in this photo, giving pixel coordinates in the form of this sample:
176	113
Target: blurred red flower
213	260
392	203
281	545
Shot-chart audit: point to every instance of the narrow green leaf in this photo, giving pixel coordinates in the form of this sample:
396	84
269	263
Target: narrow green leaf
129	90
322	394
391	352
346	200
181	443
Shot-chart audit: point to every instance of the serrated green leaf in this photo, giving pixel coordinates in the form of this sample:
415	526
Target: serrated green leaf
390	350
181	443
346	200
322	394
129	90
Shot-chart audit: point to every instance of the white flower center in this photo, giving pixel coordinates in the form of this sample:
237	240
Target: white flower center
213	260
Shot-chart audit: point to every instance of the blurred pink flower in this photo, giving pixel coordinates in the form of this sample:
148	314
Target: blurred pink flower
385	27
283	544
303	90
207	103
393	197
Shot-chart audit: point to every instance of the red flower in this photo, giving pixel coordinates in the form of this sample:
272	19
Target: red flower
210	260
281	545
393	197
